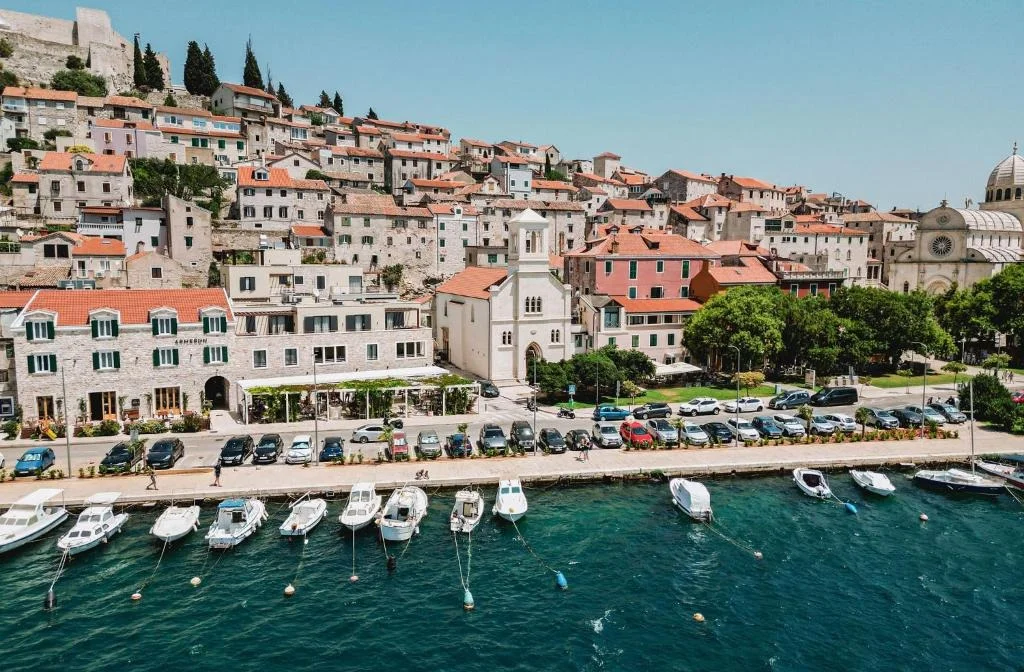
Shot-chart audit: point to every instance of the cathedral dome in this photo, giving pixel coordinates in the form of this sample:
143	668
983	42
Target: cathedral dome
1006	180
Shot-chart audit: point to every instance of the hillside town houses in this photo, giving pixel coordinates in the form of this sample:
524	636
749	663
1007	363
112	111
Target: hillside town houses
349	248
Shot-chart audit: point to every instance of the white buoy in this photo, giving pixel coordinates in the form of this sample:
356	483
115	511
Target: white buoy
289	590
195	581
353	578
923	517
699	617
136	596
758	555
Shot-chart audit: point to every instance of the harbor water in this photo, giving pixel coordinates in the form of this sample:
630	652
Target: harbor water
835	591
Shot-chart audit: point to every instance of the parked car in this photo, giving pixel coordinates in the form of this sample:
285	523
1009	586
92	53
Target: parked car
654	409
950	413
663	431
790	426
605	435
237	449
489	390
575	438
428	444
398	446
35	461
368	433
717	431
122	457
789	399
492	437
929	413
551	440
906	417
457	445
745	404
693	435
842	421
635	434
521	436
3	462
268	449
834	396
742	429
822	426
766	427
880	418
1018	397
301	450
610	412
165	453
700	406
333	449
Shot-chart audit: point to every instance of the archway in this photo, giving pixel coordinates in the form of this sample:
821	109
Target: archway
216	392
533	352
938	285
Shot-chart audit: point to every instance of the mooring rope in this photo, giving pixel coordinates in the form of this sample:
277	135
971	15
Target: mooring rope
60	568
1015	497
463	581
738	544
532	552
158	561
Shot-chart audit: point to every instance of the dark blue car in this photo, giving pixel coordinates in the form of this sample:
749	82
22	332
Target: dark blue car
610	412
334	449
35	461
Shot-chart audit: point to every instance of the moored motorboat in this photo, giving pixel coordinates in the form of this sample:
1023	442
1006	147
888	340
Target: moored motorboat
468	510
692	498
1013	475
873	482
812	483
95	525
236	521
510	501
306	514
401	516
362	508
176	522
958	480
29	519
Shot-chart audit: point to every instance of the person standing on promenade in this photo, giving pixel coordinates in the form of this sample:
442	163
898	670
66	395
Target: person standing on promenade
152	480
216	474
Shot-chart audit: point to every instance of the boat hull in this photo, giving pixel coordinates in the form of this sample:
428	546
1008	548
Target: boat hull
398	531
1003	471
37	533
819	491
460	521
958	488
298	525
171	530
414	502
356	524
510	516
223	539
76	549
683	500
876	486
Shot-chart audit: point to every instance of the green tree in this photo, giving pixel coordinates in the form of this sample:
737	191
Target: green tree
154	73
749	317
74	62
80	81
18	144
314	174
6	49
805	413
210	79
283	96
391	276
155	178
170	100
547	164
270	82
195	70
996	361
552	378
316	119
371	114
861	415
632	365
989	395
325	100
213	275
749	379
594	369
251	76
138	65
51	137
1007	289
968	314
7	78
956	368
339	104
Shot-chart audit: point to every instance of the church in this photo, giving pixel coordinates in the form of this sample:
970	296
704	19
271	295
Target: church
962	246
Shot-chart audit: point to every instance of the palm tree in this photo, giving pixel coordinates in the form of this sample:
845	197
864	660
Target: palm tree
806	413
861	416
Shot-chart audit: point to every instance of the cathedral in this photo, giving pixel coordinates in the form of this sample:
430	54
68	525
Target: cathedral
963	246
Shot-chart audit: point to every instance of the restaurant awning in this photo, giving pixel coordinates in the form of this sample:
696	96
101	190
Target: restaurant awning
675	369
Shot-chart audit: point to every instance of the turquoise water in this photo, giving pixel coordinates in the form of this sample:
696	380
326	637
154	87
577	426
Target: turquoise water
834	591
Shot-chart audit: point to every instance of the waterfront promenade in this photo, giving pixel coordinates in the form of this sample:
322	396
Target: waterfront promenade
283	480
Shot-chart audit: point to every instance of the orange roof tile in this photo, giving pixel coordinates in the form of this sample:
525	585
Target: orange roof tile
750	272
875	217
697	177
632	178
409	154
503	158
737	248
554	185
607	155
593	177
15	299
34	93
306	231
25	178
711	201
126	101
249	91
278	179
473	282
646	244
94	246
121	123
435	184
628	204
210	132
187	111
689	213
827	230
368	130
356	151
73	308
476	143
744	206
447	208
670	305
99	163
538	206
753	183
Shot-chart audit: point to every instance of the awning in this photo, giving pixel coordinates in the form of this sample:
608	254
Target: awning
675	369
334	378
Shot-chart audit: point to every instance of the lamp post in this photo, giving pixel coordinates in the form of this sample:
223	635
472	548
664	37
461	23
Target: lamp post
534	406
924	380
67	426
963	350
316	420
737	436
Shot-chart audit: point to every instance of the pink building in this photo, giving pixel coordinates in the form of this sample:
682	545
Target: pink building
129	138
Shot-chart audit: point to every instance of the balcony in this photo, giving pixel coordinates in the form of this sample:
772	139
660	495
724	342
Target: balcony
795	276
15	107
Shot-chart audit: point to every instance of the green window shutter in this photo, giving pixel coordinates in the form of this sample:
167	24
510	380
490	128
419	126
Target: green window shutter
95	328
240	144
28	331
53	363
224	324
686	268
206	355
156	357
31	364
206	325
115	328
174	325
49	330
95	361
175	356
153	323
224	354
117	359
220	144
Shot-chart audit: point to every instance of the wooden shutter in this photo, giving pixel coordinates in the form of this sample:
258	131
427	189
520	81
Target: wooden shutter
31	363
53	363
95	361
28	331
115	327
223	324
206	325
175	356
152	321
174	325
95	328
49	330
206	354
156	357
224	354
117	359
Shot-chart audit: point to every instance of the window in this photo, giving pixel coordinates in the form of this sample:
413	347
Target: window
371	352
660	266
556	335
632	270
154	241
611	340
654	340
611	317
6	407
104	328
794	289
247	283
268	211
671	338
291	357
368	240
506	338
281	324
188	242
409	350
215	324
533	304
39	331
357	323
657	292
330	354
635	341
166	399
686	268
215	354
319	324
632	292
156	273
607	267
248	211
814	289
56	251
42	363
259	359
80	186
165	357
107	360
165	326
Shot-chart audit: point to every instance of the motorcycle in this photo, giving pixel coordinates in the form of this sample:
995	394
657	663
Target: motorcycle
531	405
567	413
394	423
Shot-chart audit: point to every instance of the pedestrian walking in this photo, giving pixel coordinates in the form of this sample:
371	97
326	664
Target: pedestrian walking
216	474
152	480
586	451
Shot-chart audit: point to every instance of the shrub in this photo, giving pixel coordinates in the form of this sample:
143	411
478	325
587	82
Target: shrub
80	81
85	430
187	425
108	428
147	427
6	49
74	62
12	428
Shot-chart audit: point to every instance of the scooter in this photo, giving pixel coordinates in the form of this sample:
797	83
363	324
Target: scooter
395	423
567	413
531	405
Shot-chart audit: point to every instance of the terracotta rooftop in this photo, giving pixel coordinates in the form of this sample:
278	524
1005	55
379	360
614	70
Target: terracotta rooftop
607	155
25	178
827	230
409	154
518	160
248	91
435	184
632	178
98	163
670	305
447	208
184	111
875	217
278	179
94	246
689	213
646	244
690	175
737	248
15	299
476	143
34	93
554	185
752	183
627	204
134	305
594	177
750	272
122	123
126	101
523	204
356	151
473	282
307	231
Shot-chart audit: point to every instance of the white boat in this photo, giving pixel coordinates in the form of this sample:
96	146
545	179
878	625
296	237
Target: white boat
958	480
873	482
362	508
402	514
176	522
96	525
468	510
306	514
692	498
236	520
812	483
1013	475
510	502
29	519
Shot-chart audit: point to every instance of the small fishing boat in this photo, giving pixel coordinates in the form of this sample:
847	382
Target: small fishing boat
812	483
402	514
95	525
306	514
29	519
362	508
1013	475
692	498
510	502
958	480
236	521
468	510
176	522
873	482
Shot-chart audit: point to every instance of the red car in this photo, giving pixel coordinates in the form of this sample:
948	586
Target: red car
635	433
1018	397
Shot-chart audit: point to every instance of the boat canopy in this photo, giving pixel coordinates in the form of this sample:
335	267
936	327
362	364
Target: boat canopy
103	498
38	497
700	498
232	504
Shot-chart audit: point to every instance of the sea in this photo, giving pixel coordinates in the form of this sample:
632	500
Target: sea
879	589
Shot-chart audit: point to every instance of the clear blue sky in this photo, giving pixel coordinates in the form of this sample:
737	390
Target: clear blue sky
898	103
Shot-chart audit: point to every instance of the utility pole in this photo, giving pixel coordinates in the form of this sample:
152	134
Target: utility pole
924	381
737	436
316	420
67	425
534	405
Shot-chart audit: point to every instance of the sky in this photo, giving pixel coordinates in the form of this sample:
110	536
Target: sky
898	102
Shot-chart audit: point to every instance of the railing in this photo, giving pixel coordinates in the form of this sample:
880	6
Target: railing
13	107
812	275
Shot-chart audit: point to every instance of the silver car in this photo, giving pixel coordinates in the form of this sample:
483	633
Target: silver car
428	444
368	433
929	413
822	426
789	425
606	435
663	431
843	422
492	437
693	435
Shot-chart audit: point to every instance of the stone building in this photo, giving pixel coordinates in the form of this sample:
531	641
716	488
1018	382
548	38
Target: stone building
67	182
272	195
35	111
684	185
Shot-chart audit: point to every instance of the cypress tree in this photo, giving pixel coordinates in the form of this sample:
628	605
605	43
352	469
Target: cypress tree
282	95
325	100
339	104
195	70
270	82
154	73
138	66
547	166
371	114
252	75
88	60
169	100
210	79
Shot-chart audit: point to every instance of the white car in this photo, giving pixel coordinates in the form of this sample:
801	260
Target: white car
301	450
693	435
743	429
843	422
746	405
700	406
790	426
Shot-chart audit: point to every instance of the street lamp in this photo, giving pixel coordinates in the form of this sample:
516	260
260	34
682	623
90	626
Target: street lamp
924	380
737	437
963	349
316	420
67	425
535	406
